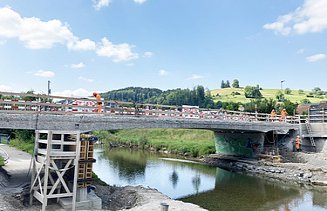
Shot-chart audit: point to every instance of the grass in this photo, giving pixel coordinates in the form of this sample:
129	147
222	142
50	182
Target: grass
179	141
225	95
22	145
2	161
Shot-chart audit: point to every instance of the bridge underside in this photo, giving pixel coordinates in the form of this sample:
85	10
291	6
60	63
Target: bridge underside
238	143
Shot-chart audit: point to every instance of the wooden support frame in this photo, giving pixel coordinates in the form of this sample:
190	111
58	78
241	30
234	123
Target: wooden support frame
51	163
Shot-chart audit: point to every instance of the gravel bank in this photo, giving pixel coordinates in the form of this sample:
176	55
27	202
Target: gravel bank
309	170
138	198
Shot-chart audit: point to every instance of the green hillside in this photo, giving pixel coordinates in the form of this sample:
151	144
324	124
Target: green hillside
226	95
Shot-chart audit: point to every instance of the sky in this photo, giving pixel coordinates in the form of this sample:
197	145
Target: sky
82	46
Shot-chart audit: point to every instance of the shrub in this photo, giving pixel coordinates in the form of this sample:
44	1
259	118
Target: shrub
235	93
288	91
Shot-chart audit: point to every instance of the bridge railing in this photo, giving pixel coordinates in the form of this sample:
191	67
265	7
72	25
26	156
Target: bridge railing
23	103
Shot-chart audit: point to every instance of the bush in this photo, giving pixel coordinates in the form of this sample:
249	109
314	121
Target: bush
252	92
288	91
24	135
235	93
22	145
305	101
280	96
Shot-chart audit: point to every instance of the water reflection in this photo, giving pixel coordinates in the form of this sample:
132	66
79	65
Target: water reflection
174	178
211	188
240	192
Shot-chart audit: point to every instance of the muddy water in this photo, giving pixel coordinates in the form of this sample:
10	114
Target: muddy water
211	188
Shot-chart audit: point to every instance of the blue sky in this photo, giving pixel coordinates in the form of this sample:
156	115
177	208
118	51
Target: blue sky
101	45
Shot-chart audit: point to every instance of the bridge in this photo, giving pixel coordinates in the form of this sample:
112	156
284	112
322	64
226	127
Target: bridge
236	133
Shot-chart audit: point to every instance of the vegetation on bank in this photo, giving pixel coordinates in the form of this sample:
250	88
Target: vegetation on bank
177	141
2	161
23	140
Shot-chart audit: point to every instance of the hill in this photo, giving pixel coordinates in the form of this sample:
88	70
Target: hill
296	96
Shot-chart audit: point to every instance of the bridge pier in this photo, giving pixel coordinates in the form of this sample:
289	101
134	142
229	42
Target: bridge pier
239	143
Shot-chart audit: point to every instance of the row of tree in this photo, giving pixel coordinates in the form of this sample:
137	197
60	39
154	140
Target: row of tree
235	84
199	96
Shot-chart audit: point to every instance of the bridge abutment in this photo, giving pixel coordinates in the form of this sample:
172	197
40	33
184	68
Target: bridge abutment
237	143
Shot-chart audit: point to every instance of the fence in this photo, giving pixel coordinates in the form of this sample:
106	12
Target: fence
71	105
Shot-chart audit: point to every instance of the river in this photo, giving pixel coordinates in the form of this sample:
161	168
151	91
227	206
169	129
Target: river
209	187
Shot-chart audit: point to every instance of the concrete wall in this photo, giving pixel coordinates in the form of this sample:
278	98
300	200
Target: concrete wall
319	134
239	144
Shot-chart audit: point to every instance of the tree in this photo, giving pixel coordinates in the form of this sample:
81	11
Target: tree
301	92
236	83
305	101
29	98
252	92
317	91
223	85
227	85
288	91
289	106
280	96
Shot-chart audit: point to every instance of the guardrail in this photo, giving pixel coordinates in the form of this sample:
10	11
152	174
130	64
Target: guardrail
71	105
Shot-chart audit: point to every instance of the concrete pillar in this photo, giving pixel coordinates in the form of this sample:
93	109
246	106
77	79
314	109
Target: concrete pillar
239	144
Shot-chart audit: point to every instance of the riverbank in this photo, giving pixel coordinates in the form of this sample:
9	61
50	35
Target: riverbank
306	170
185	142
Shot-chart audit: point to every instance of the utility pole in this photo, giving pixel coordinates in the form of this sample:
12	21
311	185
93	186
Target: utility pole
281	84
49	90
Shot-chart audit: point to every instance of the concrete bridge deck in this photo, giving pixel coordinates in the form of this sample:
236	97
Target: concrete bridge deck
90	122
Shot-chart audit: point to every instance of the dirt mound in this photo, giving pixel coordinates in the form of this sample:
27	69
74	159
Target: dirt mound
117	198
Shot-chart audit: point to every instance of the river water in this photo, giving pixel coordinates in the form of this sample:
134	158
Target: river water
209	187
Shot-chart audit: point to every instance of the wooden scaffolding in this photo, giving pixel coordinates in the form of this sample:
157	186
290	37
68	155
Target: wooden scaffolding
55	154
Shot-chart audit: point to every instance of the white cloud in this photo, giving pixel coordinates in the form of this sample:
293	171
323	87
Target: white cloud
44	74
37	34
73	93
316	57
300	51
98	4
139	1
147	54
310	17
77	66
5	88
81	45
89	80
118	53
163	72
195	77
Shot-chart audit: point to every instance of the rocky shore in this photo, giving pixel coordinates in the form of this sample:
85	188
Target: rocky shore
308	170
